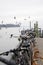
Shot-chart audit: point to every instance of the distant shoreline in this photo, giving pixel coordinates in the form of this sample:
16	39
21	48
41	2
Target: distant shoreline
9	25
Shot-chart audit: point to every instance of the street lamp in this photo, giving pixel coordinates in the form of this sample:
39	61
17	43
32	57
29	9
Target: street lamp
2	22
30	22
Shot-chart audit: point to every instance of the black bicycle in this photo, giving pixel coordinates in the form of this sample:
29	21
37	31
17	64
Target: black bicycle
23	55
20	57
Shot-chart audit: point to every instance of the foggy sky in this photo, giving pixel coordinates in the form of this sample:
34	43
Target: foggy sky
21	8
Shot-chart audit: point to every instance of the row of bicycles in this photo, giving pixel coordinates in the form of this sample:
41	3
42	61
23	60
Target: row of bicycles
23	55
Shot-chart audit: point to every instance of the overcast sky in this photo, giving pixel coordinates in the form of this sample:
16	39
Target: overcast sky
21	8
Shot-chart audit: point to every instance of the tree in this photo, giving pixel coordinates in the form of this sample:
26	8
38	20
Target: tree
36	28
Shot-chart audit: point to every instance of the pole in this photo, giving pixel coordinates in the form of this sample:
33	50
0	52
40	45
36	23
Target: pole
30	25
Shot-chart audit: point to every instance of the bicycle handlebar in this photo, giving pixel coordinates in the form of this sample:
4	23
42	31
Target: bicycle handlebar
7	62
10	62
13	51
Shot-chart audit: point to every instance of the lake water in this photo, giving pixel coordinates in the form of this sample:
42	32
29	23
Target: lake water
7	43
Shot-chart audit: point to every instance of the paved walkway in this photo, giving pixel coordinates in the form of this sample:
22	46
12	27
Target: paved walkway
40	47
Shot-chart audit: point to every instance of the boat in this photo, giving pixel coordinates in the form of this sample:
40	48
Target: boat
9	25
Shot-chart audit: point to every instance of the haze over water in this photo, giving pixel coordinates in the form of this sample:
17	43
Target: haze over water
7	43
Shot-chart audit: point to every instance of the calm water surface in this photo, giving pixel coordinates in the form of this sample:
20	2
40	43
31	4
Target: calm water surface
7	43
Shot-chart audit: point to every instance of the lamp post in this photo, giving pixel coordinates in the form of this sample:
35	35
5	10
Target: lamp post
29	22
15	18
25	23
2	21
